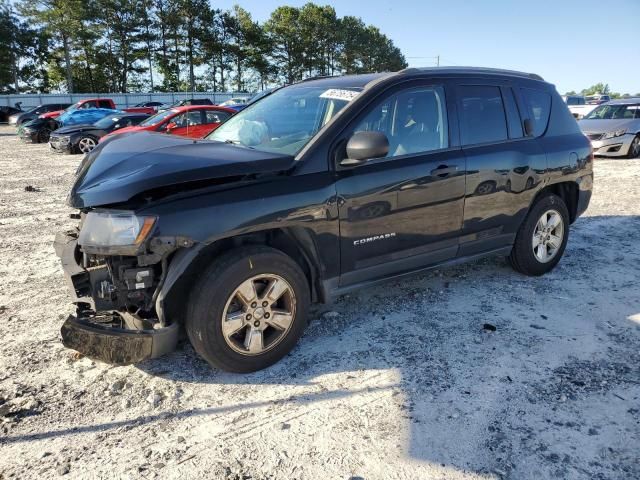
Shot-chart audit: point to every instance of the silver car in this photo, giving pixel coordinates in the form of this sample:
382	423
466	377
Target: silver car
614	128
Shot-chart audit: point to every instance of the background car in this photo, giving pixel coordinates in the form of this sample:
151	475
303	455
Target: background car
597	99
84	138
614	128
81	105
22	117
186	102
39	130
7	112
192	121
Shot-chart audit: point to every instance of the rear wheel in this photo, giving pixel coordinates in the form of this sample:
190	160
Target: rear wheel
542	237
634	148
248	309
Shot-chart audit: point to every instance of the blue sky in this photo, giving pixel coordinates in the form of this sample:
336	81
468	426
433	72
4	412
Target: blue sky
571	43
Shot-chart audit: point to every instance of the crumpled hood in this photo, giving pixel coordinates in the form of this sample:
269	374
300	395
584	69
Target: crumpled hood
604	126
74	129
131	164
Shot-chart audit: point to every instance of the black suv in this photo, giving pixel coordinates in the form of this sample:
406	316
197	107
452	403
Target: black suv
318	188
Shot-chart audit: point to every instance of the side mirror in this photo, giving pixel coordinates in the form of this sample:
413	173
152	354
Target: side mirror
171	126
528	127
363	146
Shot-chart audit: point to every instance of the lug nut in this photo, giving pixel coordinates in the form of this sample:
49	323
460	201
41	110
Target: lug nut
267	315
254	305
248	316
256	324
264	304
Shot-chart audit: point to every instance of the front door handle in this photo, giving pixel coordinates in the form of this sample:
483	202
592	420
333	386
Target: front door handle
443	170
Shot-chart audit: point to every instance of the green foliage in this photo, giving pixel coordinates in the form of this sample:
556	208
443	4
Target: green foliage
167	45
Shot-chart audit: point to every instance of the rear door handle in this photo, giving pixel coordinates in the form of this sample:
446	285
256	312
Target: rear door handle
443	171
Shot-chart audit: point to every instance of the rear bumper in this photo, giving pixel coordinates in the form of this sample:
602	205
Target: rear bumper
585	188
104	334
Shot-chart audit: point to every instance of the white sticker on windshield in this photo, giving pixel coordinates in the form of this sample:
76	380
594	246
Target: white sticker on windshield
339	94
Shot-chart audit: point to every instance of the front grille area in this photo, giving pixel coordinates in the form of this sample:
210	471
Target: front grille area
56	142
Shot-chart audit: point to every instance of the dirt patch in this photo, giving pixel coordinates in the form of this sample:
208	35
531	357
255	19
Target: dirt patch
400	381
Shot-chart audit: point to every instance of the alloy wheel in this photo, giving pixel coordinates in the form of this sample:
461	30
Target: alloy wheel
548	236
258	314
634	149
85	145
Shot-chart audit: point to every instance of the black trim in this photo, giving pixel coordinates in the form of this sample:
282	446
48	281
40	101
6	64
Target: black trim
332	289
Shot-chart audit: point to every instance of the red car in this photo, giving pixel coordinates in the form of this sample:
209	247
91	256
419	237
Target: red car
98	103
194	121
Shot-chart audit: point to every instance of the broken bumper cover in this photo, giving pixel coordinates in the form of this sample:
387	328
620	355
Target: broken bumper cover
104	336
119	346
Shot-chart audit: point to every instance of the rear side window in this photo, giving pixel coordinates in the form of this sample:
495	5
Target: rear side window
482	116
104	104
539	105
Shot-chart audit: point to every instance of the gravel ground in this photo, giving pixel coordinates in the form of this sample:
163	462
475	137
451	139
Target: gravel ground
397	382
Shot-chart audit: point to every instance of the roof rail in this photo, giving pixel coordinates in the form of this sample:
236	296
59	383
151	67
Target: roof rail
515	73
315	77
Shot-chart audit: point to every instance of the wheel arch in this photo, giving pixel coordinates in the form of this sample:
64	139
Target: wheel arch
296	242
568	191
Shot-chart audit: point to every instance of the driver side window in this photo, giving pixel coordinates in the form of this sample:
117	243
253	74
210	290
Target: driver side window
413	120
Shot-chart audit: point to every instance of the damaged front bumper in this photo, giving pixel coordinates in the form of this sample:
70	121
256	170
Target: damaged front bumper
104	338
98	330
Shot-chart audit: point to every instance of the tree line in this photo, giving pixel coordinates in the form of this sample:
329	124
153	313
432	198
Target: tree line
175	45
601	88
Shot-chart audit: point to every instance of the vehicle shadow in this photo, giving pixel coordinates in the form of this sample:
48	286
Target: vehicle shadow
520	401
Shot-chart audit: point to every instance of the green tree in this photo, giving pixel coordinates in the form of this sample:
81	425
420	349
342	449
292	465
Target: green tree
283	28
602	88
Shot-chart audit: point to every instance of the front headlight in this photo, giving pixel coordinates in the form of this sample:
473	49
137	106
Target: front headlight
114	229
64	140
617	133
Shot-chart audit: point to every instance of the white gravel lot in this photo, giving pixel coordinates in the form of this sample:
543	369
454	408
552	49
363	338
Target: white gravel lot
396	382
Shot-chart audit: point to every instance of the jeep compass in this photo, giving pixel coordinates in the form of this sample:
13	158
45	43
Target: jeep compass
318	188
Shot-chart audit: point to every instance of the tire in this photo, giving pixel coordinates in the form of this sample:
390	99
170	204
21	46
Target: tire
86	144
535	261
216	296
43	135
634	148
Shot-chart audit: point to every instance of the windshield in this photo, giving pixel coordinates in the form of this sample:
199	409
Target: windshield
157	118
286	120
106	122
614	112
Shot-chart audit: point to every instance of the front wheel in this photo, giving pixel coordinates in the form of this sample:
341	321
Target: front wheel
248	309
86	144
542	237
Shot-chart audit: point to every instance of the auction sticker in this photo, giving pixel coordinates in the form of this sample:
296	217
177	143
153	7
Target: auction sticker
339	94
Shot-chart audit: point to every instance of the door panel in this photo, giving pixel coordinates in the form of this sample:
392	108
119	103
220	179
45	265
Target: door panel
503	174
404	211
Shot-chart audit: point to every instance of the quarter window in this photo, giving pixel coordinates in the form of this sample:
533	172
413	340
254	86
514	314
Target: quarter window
414	121
482	116
539	105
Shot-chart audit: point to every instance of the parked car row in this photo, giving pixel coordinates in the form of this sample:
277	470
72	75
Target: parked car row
80	127
579	105
317	188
